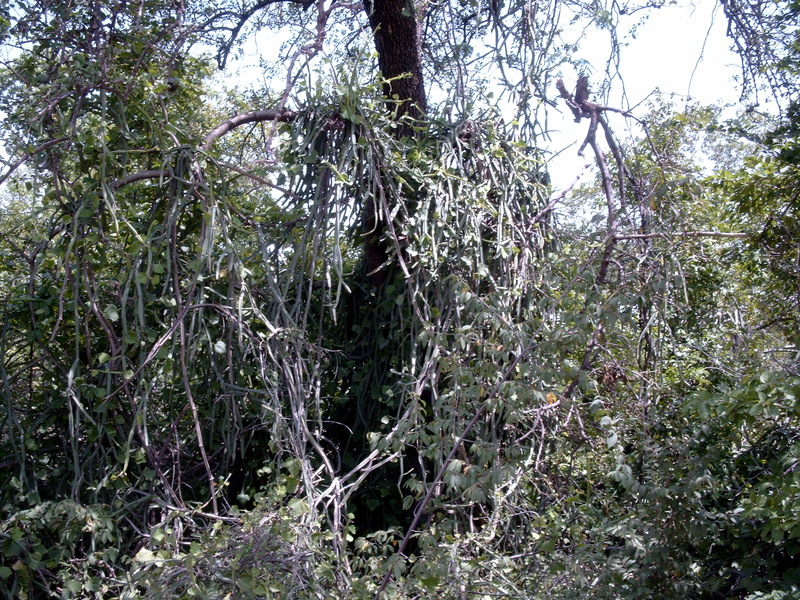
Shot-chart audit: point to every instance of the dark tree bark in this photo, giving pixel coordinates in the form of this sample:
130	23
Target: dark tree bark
396	36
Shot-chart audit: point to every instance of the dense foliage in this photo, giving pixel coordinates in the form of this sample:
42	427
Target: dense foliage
328	336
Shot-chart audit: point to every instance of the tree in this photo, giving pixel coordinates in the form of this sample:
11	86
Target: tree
339	343
192	338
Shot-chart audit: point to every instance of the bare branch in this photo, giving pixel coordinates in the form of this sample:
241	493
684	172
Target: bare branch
256	116
254	177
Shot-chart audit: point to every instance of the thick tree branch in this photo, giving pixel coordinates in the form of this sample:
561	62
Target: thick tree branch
579	102
686	234
141	175
581	108
256	116
396	36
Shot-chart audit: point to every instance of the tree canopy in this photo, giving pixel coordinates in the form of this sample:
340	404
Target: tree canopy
333	333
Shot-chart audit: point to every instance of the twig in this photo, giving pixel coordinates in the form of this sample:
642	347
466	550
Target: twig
551	205
225	50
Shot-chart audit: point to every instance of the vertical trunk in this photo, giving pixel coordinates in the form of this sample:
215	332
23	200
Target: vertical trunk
396	36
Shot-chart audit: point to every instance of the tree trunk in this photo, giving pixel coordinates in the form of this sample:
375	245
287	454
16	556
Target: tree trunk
396	36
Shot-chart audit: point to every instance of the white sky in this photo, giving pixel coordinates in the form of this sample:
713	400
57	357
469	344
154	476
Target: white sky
681	53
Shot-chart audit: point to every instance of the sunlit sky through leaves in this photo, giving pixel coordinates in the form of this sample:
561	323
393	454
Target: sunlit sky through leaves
680	54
